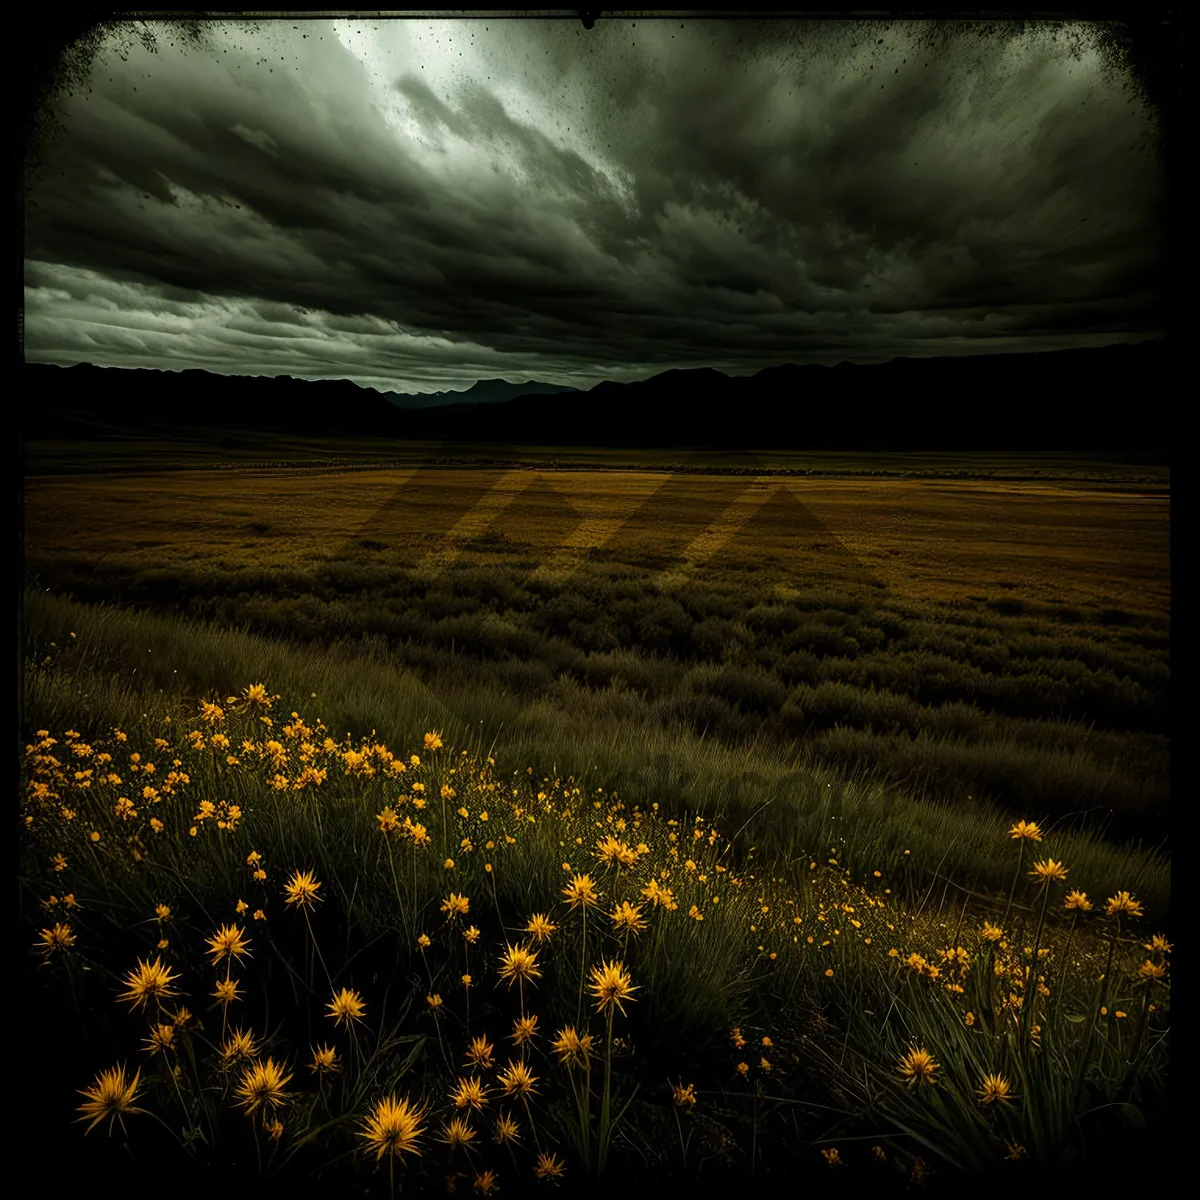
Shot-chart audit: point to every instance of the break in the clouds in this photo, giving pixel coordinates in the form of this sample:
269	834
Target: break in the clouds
419	204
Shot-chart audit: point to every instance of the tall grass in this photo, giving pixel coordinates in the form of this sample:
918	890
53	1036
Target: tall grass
1024	704
375	907
790	805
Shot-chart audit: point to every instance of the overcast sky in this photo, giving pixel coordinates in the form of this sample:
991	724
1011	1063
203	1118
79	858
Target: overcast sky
416	205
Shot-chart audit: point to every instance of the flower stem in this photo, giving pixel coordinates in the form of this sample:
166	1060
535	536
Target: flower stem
1012	890
606	1101
1100	1001
532	1126
1133	1064
317	950
1031	984
582	967
586	1111
1062	974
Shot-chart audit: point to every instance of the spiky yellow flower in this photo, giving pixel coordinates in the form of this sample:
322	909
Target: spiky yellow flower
112	1096
485	1183
434	1000
684	1095
832	1157
150	980
227	991
506	1129
541	927
524	1028
611	985
572	1050
470	1093
254	696
549	1166
324	1059
628	918
1158	944
262	1086
1048	871
346	1006
302	889
518	963
1123	903
479	1053
1077	902
1152	970
58	938
433	741
581	892
995	1089
518	1080
238	1047
918	1066
990	932
455	905
457	1133
613	850
1026	829
161	1039
393	1127
228	942
656	894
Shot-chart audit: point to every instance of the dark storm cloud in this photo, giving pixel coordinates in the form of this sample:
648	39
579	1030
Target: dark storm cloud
418	205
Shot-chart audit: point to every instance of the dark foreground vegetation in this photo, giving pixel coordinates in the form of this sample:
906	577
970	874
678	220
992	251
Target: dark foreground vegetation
849	885
283	959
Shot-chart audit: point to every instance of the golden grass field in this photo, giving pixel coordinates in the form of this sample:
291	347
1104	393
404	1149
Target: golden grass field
929	539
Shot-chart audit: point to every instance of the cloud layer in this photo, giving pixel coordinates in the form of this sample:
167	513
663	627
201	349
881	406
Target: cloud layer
417	205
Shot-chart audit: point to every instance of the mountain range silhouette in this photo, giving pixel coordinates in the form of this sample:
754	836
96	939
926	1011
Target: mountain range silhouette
1116	398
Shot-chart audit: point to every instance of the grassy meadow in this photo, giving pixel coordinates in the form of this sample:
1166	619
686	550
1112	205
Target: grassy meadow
585	820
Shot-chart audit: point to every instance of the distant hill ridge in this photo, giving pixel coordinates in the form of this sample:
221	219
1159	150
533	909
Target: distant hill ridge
485	391
1112	398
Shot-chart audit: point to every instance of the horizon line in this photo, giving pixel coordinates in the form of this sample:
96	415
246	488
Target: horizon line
1153	339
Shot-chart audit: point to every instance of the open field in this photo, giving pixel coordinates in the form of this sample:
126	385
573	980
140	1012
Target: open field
788	723
915	539
202	450
997	640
